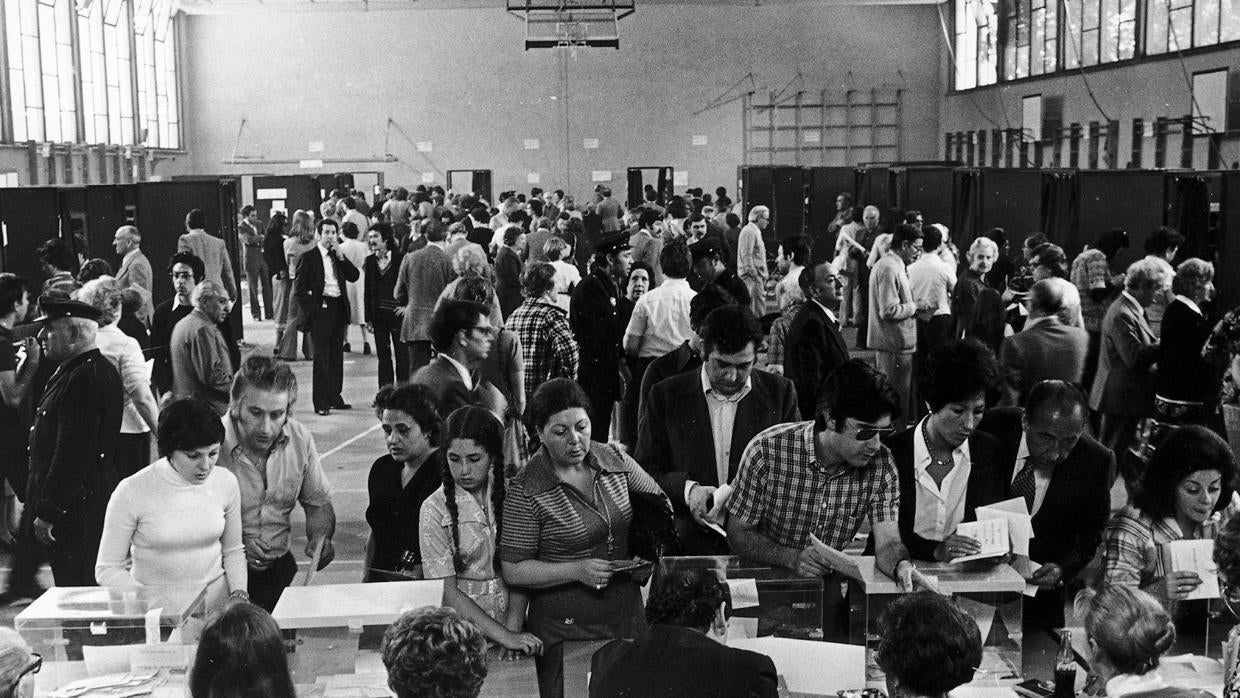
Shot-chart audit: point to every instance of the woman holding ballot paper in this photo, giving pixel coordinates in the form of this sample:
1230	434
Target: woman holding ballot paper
947	468
1189	479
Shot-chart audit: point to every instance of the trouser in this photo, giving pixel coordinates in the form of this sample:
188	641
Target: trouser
281	290
631	404
600	419
388	349
28	557
267	586
287	348
899	370
133	453
757	295
848	290
73	554
1117	433
1092	348
861	302
258	277
419	354
327	336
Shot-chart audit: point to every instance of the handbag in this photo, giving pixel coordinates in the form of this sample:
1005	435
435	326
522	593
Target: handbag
652	533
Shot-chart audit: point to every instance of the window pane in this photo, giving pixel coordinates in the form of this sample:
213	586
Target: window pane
1205	28
1229	29
1156	33
1072	30
1050	49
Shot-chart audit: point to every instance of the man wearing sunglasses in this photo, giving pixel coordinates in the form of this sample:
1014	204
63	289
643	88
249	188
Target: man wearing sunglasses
824	478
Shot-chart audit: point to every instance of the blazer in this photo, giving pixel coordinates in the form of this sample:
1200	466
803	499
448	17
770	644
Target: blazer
308	285
1068	527
136	271
892	326
507	280
441	378
813	349
1182	373
1049	350
670	661
675	362
986	484
423	275
593	314
214	255
675	440
1124	384
978	310
379	287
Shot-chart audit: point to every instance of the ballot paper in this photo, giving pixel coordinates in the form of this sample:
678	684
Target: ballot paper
744	593
1020	523
719	512
992	534
313	569
1196	556
840	562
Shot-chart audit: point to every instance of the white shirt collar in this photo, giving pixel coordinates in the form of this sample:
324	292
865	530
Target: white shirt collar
460	368
920	448
1190	303
825	309
708	390
1134	683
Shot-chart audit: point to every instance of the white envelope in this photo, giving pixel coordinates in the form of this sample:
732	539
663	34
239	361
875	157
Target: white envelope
1020	523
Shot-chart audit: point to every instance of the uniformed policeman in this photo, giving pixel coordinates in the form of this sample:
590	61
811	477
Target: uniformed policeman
593	314
72	442
710	268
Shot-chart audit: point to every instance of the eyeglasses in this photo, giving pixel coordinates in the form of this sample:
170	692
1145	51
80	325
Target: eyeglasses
34	668
865	432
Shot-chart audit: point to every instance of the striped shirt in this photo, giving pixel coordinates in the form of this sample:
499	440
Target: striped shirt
784	491
548	349
1130	548
546	519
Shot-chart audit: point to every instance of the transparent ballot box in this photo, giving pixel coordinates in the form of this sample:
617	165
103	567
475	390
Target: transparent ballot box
766	601
326	627
89	631
990	594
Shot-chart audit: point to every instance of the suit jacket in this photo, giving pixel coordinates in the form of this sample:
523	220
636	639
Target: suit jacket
507	280
1049	350
163	322
675	440
308	285
441	378
1068	527
1124	384
672	661
675	362
593	314
251	239
814	348
136	271
978	310
986	484
1182	373
214	255
423	275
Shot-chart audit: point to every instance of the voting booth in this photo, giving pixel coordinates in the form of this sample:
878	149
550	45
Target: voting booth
988	593
98	632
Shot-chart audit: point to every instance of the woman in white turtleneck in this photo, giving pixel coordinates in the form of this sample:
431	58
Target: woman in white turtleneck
1128	631
178	520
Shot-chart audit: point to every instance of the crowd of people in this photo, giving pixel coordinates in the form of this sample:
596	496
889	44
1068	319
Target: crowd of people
568	391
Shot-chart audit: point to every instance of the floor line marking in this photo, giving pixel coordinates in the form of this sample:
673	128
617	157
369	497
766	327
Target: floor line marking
350	442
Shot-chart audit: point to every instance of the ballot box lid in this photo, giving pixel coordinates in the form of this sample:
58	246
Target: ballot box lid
335	605
969	578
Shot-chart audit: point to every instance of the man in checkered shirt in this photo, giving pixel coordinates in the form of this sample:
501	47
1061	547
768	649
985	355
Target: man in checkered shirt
823	477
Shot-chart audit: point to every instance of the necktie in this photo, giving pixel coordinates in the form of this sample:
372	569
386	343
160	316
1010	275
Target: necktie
1022	485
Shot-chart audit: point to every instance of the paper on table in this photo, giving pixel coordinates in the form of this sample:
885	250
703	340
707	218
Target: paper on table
992	534
1020	523
744	593
1196	556
840	562
739	628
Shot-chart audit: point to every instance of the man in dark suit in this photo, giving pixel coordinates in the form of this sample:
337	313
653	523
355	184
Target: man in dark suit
593	315
320	288
1062	473
462	334
1123	389
1048	348
678	655
698	423
815	346
186	271
710	268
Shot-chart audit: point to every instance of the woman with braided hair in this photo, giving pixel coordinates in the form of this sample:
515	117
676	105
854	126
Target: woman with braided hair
460	525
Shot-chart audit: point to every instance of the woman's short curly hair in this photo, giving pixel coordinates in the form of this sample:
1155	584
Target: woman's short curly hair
434	653
104	295
539	280
686	598
1184	451
929	645
958	371
188	425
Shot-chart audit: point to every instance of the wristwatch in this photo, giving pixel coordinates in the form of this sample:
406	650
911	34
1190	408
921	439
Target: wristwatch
239	594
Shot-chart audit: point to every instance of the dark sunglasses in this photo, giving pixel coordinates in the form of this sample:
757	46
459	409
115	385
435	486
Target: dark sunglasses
865	432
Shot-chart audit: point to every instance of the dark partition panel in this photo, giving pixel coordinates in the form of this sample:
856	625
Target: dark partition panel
823	185
926	189
288	193
1134	200
30	216
787	205
108	207
873	187
1225	191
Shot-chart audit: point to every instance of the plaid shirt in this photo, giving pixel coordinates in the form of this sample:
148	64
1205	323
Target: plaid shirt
1130	548
783	490
548	349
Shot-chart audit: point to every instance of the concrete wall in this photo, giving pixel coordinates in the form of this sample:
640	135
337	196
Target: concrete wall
1147	89
461	80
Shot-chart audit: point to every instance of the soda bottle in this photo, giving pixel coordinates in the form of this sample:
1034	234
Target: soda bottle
1065	667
